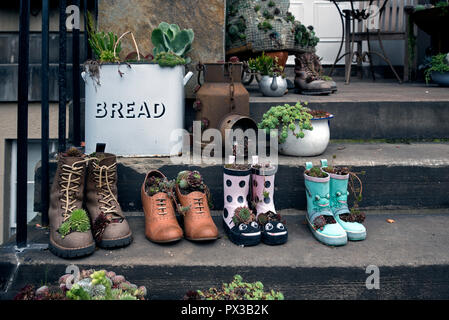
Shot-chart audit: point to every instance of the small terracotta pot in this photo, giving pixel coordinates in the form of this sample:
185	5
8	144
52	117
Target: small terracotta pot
281	55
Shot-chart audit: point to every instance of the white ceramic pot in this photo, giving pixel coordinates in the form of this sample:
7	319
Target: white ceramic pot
135	112
314	142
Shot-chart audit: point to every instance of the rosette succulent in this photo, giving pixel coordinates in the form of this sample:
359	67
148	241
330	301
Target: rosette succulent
243	215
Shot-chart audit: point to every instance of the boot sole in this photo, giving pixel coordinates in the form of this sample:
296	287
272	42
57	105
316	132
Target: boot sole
116	243
274	240
327	240
314	92
202	239
69	253
240	240
165	241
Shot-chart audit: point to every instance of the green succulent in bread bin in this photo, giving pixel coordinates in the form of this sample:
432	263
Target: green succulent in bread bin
170	38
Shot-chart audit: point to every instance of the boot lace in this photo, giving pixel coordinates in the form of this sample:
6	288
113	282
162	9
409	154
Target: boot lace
198	205
161	205
104	176
70	184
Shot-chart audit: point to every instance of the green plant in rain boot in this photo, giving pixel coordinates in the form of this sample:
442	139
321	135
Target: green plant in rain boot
350	221
319	215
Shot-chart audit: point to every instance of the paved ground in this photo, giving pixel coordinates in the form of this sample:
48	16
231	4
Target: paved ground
413	240
411	254
365	91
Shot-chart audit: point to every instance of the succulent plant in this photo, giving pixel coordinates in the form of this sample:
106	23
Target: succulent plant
78	221
170	38
155	185
322	220
236	290
265	65
269	216
285	118
316	172
169	59
243	215
102	43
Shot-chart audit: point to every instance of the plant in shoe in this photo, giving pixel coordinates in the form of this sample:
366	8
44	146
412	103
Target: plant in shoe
193	196
161	225
350	220
70	234
274	231
110	227
319	216
238	220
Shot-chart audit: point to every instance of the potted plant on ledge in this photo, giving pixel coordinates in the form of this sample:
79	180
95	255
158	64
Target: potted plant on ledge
438	69
273	82
142	95
301	131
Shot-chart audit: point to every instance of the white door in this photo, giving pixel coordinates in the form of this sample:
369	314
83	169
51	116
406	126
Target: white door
324	17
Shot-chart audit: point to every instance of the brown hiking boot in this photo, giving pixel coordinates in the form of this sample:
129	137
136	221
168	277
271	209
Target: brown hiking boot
318	69
70	229
307	80
192	194
109	226
157	200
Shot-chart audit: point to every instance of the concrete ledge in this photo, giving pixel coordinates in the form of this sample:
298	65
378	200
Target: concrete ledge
398	176
374	110
411	255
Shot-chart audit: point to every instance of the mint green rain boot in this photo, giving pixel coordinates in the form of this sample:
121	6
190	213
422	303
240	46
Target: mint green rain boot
319	215
339	206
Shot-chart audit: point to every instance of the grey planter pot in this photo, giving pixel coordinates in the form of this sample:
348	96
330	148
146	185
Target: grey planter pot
441	79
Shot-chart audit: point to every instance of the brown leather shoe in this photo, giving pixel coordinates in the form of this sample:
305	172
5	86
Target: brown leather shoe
66	197
161	225
198	223
109	225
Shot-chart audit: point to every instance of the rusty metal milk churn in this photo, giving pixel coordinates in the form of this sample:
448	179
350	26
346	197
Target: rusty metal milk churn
221	94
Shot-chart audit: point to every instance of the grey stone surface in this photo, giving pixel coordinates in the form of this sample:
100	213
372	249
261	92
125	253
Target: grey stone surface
411	254
397	176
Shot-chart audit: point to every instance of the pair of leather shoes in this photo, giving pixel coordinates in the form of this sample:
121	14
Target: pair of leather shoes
161	225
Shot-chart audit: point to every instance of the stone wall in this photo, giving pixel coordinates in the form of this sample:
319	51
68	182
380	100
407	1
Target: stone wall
205	17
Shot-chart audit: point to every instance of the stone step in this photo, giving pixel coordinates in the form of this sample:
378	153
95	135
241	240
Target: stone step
411	255
397	176
373	110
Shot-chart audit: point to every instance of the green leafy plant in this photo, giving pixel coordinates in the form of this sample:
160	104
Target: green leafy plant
78	221
305	36
438	63
266	66
285	118
271	3
169	59
236	290
102	43
171	39
257	8
265	26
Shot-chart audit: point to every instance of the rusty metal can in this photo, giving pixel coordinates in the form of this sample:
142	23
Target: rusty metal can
221	93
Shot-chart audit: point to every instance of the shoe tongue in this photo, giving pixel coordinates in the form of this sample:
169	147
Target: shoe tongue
106	159
69	160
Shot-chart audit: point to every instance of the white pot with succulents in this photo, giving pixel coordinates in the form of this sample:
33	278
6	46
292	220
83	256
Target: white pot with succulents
273	82
134	104
301	132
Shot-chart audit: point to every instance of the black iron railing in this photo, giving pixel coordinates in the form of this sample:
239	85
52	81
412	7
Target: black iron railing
22	111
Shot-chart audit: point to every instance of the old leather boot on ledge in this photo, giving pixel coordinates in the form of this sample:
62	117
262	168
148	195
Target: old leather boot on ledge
306	80
70	229
192	195
161	225
109	225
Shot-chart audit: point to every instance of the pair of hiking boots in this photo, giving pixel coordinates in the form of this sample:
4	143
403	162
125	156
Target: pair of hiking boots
309	77
328	215
88	182
188	195
249	214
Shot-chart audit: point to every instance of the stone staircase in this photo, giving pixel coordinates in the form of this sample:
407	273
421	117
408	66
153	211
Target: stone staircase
404	179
